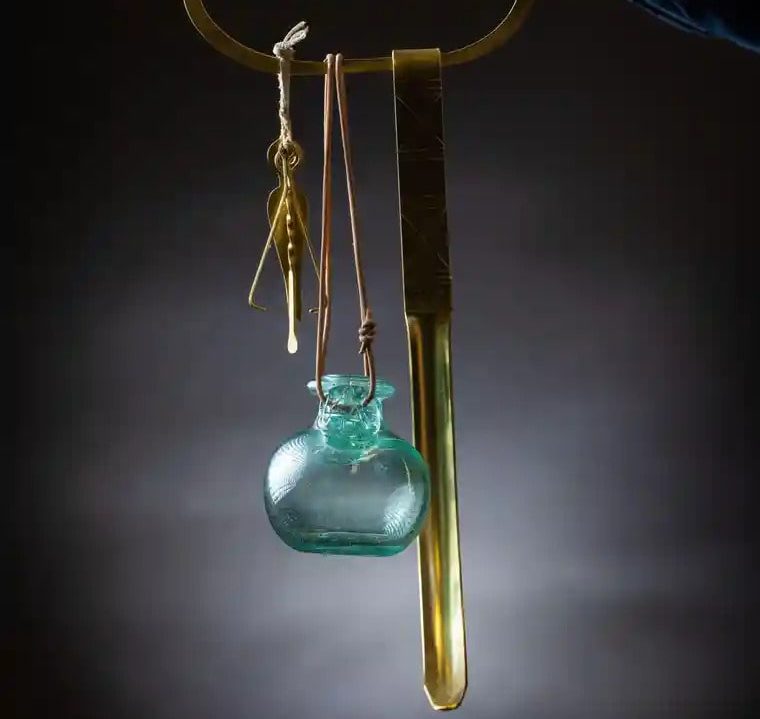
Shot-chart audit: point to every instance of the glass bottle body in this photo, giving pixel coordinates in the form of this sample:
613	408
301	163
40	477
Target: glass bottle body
347	484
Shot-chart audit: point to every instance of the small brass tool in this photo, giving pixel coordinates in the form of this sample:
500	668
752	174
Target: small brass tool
287	209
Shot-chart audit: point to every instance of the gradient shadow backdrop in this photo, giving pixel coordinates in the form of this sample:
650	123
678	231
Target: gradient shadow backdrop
602	185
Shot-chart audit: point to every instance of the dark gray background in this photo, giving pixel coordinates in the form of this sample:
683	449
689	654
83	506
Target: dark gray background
601	178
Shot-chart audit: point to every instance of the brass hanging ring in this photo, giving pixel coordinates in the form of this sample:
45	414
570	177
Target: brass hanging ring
263	62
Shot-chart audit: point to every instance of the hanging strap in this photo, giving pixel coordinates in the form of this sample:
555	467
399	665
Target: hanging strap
335	77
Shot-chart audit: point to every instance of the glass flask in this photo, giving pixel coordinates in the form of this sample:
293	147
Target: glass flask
347	485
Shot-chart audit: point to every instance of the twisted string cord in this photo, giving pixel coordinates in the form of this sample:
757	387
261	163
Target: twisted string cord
284	51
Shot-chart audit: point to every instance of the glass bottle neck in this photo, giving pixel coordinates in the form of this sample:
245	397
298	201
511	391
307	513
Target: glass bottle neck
343	419
350	426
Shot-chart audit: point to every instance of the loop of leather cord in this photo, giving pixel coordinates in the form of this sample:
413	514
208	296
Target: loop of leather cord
323	307
335	79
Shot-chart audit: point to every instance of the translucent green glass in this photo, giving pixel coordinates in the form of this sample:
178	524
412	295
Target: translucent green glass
347	485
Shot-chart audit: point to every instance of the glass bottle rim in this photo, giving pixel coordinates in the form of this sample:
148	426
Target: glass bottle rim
383	388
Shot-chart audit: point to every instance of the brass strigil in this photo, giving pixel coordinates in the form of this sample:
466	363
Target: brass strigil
427	305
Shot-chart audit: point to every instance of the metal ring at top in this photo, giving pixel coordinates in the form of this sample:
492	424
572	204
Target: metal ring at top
227	45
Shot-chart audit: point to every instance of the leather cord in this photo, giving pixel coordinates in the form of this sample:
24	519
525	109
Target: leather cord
335	82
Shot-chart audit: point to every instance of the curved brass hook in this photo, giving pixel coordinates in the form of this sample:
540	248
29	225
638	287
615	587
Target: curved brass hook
263	62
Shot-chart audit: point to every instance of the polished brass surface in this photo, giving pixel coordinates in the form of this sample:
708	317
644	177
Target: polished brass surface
287	209
427	305
516	13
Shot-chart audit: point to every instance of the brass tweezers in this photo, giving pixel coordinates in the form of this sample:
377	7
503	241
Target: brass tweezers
427	307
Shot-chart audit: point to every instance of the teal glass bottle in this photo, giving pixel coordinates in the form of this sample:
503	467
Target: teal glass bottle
347	485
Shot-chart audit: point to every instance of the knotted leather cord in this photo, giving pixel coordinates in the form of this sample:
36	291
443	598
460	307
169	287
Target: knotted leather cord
334	76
